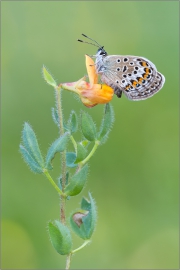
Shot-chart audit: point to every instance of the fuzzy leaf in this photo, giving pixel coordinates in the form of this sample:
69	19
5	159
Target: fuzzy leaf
58	145
34	166
55	116
77	182
31	144
83	222
72	122
60	237
85	204
89	221
81	153
70	159
88	127
107	122
76	222
48	77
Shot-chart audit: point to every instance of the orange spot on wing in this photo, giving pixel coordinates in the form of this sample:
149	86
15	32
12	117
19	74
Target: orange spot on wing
134	83
147	70
140	80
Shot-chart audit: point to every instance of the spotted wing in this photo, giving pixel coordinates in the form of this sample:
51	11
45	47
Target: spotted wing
135	76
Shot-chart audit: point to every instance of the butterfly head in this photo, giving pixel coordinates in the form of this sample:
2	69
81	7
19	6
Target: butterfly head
101	52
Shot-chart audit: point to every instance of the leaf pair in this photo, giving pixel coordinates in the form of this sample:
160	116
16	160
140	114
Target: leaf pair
82	223
31	152
89	128
77	182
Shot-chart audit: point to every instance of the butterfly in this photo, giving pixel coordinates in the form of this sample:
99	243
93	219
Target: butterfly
134	76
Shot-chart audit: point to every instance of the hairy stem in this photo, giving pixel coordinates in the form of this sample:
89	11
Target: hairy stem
63	154
68	260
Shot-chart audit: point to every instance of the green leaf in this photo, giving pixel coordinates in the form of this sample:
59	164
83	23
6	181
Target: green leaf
77	182
107	123
89	221
31	144
58	145
76	222
83	222
85	204
34	166
70	159
48	77
65	127
72	122
55	116
88	127
60	237
81	153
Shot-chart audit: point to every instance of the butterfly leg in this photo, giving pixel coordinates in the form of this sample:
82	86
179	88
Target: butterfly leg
117	92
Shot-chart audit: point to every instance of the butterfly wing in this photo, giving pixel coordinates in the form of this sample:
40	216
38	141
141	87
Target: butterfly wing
135	76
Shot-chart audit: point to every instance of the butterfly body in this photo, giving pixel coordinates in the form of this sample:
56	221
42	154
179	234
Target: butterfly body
135	76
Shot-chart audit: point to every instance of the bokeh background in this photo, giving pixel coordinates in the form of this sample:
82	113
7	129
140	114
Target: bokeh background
134	176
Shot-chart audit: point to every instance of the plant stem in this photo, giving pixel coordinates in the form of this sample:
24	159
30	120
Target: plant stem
82	246
68	260
63	154
53	183
90	154
74	142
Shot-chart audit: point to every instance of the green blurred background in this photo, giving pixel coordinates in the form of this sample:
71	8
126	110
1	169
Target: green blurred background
134	176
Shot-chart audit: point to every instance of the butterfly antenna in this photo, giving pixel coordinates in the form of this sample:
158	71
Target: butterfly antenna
87	42
92	40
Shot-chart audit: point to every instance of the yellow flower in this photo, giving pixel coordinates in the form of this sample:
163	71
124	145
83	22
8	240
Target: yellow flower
90	93
90	66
